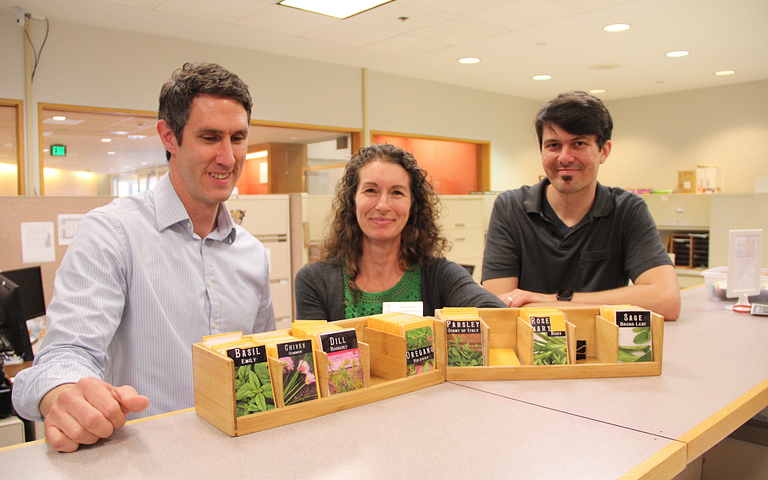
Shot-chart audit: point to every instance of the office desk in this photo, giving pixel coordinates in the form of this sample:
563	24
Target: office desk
445	431
630	428
714	378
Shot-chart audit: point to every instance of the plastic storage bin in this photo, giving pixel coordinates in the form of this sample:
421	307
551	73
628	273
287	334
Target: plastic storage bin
716	283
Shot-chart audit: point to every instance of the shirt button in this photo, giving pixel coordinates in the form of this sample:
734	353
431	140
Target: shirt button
210	283
214	325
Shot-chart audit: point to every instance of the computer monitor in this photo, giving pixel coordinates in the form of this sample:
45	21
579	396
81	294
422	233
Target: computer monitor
14	336
30	282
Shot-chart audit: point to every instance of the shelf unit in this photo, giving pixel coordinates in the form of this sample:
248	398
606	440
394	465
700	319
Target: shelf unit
691	250
683	221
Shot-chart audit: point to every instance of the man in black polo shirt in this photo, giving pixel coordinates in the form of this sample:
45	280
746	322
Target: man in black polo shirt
569	238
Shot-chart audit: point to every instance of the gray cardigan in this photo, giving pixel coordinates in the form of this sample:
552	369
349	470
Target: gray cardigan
319	290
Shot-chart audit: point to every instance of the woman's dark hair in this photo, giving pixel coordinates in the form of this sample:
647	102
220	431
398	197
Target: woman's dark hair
578	113
195	79
421	239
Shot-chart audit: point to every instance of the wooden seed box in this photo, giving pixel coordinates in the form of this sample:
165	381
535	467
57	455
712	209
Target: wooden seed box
503	329
384	362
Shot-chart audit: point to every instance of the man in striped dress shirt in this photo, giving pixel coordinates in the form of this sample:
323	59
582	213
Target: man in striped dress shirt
150	274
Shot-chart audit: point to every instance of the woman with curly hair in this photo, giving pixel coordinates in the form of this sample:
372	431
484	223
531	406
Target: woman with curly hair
384	246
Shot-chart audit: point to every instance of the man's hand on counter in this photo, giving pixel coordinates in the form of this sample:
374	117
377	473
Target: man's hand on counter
83	412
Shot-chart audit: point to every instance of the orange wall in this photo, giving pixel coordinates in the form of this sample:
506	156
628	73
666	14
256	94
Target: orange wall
248	184
452	165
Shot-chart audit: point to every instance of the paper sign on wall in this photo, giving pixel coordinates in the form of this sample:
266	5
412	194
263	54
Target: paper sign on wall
68	226
37	242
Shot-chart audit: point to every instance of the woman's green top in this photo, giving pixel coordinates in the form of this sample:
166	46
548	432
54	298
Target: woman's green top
408	289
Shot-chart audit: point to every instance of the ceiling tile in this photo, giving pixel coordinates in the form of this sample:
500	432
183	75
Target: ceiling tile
287	20
582	6
406	46
462	7
522	14
351	34
458	31
227	11
388	16
150	4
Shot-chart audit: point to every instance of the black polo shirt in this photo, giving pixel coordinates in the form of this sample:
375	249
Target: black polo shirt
616	241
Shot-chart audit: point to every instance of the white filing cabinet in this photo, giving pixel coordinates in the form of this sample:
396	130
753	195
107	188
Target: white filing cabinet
266	218
464	224
11	431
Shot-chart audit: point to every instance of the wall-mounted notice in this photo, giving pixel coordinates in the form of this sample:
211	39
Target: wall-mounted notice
37	242
68	226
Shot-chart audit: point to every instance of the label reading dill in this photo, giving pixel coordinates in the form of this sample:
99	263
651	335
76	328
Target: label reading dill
635	339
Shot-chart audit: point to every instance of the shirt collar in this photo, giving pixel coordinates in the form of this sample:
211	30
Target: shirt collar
169	211
601	207
532	203
168	207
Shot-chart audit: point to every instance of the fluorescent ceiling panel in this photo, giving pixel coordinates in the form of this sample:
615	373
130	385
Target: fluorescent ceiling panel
334	8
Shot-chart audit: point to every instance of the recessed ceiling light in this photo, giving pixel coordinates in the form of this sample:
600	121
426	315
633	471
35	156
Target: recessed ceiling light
597	90
469	60
334	8
110	153
725	72
106	140
616	27
542	77
136	137
679	53
59	118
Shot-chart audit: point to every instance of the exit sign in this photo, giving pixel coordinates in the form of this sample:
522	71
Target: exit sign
58	150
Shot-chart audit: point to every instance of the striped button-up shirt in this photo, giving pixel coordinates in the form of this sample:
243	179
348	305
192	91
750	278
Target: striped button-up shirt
136	288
